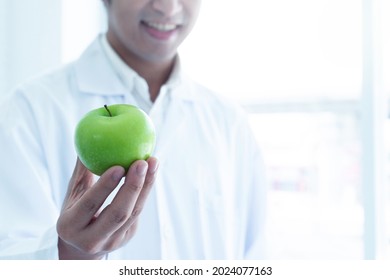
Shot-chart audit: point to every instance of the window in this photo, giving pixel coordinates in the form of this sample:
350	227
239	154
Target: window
298	67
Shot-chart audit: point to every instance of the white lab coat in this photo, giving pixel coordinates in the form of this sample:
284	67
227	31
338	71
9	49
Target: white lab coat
209	198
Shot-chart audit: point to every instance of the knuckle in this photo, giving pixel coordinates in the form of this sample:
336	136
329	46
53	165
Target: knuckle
89	205
118	216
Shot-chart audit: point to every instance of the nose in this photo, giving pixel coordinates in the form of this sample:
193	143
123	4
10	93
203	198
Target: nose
167	7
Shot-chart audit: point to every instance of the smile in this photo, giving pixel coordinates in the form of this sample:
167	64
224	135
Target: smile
164	27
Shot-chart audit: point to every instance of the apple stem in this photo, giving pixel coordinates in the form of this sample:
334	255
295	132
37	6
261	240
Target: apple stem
105	106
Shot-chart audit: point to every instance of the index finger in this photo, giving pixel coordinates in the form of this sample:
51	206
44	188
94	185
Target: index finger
86	207
124	203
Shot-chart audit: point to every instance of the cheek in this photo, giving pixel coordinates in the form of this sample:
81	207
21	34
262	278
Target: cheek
124	21
192	13
194	8
126	31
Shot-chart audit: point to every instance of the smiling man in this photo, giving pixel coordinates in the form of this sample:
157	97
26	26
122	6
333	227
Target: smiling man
200	196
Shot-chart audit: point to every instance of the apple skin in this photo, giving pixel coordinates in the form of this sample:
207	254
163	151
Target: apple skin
103	140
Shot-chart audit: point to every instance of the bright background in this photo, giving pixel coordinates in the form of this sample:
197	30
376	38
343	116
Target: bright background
314	76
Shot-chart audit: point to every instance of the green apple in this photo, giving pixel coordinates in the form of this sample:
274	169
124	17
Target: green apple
114	135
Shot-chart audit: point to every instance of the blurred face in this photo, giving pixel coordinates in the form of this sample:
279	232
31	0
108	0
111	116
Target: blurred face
150	30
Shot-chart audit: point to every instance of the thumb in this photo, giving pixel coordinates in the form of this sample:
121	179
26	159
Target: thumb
80	182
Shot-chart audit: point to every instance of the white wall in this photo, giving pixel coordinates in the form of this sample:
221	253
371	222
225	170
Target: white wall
30	39
2	49
81	22
38	35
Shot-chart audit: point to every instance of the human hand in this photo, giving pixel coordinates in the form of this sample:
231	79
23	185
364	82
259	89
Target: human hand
85	232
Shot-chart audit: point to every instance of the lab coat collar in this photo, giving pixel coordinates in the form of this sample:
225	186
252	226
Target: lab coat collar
101	79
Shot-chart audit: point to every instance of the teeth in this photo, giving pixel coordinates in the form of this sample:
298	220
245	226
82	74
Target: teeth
162	26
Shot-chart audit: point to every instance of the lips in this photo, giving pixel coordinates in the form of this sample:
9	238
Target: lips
159	30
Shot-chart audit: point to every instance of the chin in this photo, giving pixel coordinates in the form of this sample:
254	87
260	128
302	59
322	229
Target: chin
159	57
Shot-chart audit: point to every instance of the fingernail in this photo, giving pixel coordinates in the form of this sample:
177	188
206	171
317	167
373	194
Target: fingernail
142	168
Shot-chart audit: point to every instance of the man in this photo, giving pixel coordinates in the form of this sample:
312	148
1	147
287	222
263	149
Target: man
208	196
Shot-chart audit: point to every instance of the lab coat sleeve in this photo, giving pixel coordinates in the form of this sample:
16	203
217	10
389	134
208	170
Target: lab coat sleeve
27	210
252	163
